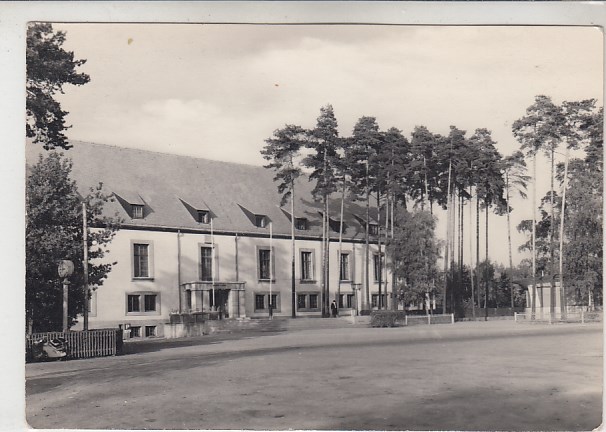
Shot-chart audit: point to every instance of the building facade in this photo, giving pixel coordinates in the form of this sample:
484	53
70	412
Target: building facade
207	236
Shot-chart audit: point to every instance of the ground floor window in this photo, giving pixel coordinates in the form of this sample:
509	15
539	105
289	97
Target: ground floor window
150	331
263	300
375	300
341	297
259	302
350	301
135	331
307	301
142	304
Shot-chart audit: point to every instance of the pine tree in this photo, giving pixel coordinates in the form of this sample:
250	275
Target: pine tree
49	68
282	150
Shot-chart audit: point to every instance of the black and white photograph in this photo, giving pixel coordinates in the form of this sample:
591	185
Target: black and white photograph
315	225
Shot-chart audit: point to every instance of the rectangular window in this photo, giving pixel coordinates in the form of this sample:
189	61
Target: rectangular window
142	304
259	302
141	260
341	297
264	264
135	331
150	302
335	225
374	300
261	221
378	267
206	263
306	265
307	301
134	303
350	301
137	211
150	331
373	229
301	224
274	301
203	216
344	267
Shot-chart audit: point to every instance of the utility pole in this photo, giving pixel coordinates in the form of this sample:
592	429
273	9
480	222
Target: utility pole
65	270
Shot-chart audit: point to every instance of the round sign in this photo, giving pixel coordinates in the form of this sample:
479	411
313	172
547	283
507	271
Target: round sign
66	268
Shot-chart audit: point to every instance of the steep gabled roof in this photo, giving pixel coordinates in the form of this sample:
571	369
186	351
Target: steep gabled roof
164	183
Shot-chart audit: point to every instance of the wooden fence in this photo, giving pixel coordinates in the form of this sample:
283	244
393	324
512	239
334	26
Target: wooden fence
429	319
82	344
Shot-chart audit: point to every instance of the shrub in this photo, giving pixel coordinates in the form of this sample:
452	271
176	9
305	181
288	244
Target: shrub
387	318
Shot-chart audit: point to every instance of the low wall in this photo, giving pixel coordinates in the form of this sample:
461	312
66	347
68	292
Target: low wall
190	328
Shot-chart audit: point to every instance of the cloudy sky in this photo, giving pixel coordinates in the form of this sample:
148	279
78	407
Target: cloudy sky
217	91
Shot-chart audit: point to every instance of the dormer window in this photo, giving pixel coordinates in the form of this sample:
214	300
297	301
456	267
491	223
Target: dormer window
335	225
136	211
301	224
373	229
261	221
203	216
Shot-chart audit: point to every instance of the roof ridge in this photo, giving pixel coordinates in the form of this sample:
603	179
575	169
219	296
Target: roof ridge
135	149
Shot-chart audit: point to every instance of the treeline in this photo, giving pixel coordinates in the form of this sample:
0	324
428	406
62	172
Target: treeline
405	178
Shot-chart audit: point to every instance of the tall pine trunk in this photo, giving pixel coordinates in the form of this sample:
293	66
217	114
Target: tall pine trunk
447	248
326	256
292	237
478	248
367	251
509	238
551	237
473	307
561	263
340	243
380	273
486	266
534	223
324	262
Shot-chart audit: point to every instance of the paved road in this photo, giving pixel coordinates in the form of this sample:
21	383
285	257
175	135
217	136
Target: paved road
466	376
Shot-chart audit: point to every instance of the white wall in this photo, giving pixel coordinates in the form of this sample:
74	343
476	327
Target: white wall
110	301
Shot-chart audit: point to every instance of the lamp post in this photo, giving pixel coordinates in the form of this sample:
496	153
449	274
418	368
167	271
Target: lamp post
65	270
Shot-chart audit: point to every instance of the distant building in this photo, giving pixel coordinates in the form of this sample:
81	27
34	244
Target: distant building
196	237
543	298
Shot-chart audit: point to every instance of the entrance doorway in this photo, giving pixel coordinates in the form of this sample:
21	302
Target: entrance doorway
220	301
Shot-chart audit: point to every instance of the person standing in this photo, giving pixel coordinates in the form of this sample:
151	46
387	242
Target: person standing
333	309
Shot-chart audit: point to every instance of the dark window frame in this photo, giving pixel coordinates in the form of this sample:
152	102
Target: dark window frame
206	263
266	263
203	216
302	224
141	299
137	211
261	221
308	301
265	296
307	265
344	270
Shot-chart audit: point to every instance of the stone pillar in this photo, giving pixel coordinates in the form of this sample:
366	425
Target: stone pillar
205	300
242	299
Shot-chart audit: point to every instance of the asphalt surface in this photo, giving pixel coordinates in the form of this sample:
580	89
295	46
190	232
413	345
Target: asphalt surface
466	376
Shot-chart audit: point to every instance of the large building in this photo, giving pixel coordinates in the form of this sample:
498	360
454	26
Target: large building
201	235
